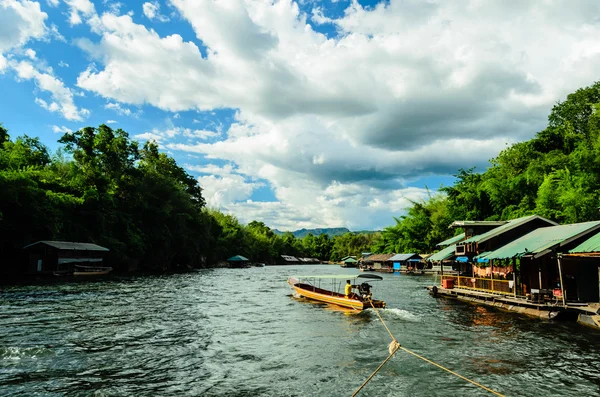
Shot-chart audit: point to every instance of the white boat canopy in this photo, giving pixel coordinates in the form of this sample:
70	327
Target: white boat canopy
342	276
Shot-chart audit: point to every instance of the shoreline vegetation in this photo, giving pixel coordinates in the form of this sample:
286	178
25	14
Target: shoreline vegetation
103	187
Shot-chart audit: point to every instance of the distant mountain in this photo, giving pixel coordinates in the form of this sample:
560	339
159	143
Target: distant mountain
331	231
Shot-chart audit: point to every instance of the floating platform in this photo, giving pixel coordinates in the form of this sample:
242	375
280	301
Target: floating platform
584	313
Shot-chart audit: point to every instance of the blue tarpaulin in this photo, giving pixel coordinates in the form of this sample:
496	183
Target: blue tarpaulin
462	258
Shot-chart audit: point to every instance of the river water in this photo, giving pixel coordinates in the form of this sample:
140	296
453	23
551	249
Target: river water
239	332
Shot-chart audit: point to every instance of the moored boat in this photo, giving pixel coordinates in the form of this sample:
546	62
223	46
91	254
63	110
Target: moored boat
80	270
309	287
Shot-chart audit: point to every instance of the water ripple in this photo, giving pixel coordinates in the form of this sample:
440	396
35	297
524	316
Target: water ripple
238	332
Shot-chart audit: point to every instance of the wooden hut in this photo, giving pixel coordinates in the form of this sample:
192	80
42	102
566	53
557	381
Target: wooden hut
288	260
64	257
378	262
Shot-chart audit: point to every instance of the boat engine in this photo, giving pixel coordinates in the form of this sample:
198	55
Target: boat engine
364	290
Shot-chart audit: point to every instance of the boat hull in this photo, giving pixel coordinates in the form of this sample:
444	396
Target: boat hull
322	295
91	270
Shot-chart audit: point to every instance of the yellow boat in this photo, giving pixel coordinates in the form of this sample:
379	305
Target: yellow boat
310	287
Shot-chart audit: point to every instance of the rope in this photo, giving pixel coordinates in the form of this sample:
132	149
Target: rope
452	372
394	346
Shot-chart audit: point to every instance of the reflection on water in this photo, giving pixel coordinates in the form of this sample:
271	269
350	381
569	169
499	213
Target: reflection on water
238	332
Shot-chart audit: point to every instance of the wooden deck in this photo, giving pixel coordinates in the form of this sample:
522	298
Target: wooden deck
585	313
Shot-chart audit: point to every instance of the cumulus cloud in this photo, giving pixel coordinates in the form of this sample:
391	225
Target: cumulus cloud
406	89
61	130
152	11
79	8
30	53
20	22
168	134
220	191
62	97
123	111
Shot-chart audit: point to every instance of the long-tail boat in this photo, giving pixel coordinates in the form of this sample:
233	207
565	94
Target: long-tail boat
310	287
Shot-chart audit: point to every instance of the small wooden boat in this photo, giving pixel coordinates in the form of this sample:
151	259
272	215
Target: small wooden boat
310	287
80	270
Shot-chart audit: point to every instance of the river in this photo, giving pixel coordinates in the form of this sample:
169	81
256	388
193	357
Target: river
239	332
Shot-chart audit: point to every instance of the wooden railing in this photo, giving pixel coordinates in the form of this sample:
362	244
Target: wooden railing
495	286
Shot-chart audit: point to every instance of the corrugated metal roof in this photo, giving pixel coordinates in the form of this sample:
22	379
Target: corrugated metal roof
451	240
476	223
540	240
290	258
378	258
592	244
443	254
513	223
68	245
238	258
401	257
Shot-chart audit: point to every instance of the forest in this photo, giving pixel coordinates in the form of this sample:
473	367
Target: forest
102	187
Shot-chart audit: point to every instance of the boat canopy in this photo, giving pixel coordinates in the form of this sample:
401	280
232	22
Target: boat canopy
343	276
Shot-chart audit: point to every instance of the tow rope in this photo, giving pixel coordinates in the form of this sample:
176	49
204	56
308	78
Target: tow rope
394	346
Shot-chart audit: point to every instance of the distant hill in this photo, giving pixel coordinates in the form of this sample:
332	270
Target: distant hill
331	231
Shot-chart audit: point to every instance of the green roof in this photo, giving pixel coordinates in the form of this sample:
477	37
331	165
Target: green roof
350	260
592	244
451	240
540	241
513	223
238	258
443	254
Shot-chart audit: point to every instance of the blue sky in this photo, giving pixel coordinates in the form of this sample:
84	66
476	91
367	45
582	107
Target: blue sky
299	113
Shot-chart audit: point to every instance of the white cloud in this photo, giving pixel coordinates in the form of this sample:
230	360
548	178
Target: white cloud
61	130
3	64
167	134
30	53
148	136
111	121
211	169
152	11
113	7
319	18
78	8
407	89
53	3
219	191
20	22
123	111
62	97
63	64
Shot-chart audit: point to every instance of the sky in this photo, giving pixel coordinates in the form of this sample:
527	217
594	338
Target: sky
309	113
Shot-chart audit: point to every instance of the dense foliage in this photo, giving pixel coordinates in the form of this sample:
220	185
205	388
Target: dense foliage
102	187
